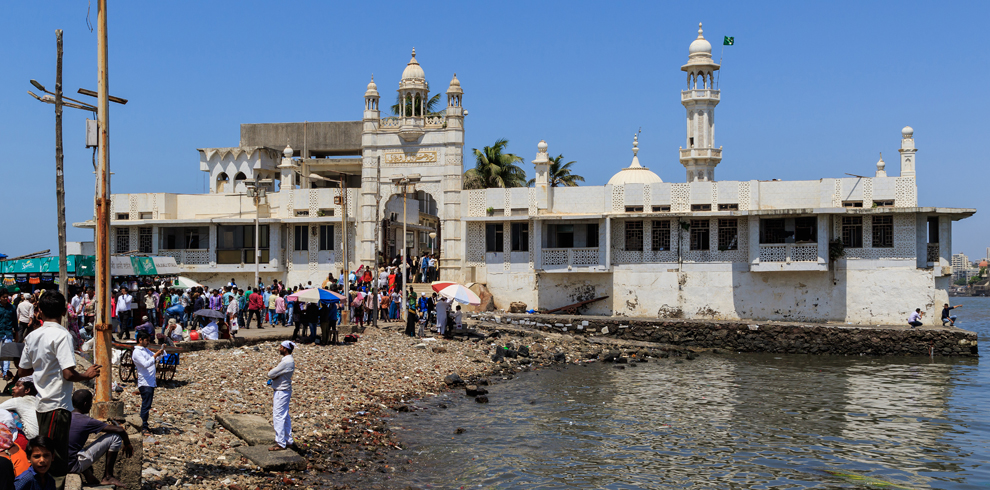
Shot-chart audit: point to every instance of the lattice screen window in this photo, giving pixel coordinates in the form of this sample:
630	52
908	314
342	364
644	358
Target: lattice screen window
123	240
144	240
852	231
883	232
700	234
661	235
634	236
728	234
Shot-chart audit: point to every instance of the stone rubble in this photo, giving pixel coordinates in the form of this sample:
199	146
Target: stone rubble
338	394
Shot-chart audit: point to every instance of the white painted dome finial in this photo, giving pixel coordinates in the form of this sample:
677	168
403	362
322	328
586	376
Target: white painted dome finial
701	32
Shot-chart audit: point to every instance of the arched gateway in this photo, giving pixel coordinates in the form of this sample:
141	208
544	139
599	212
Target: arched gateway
423	147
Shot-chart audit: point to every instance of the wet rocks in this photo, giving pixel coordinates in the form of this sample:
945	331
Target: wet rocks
453	379
517	307
481	399
474	390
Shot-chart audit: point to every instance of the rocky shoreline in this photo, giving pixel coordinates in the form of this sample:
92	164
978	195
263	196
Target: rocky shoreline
340	396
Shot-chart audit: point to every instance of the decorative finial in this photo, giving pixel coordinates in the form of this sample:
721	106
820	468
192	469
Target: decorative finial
635	144
881	164
701	34
372	78
414	52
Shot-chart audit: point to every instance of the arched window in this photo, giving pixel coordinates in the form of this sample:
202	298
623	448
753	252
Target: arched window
222	182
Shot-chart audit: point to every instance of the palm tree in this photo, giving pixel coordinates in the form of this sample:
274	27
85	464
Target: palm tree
493	168
560	175
431	105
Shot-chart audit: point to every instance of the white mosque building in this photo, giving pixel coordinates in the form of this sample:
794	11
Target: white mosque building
853	249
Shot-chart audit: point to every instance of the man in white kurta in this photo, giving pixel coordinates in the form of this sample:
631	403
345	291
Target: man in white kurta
281	379
442	308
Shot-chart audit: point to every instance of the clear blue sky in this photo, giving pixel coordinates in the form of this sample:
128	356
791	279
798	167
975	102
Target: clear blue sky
810	89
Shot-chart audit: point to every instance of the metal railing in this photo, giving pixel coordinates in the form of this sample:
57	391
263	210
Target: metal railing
575	257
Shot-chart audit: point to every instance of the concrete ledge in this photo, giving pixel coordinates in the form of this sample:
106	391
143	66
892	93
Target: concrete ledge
284	460
128	470
252	429
194	345
754	336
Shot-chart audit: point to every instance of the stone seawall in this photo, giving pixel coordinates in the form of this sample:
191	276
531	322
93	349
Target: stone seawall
753	336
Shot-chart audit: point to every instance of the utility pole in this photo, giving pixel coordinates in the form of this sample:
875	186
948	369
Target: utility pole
345	311
103	407
63	275
378	222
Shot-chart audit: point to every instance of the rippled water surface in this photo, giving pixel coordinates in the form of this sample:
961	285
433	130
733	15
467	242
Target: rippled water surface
731	421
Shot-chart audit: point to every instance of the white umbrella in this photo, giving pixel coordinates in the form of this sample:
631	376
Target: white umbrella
459	293
184	282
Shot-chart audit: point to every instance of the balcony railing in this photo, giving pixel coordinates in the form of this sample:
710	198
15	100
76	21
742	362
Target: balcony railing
701	153
390	122
699	94
190	256
932	253
557	258
436	121
788	252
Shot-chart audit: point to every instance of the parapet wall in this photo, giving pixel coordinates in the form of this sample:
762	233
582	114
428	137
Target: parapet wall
771	337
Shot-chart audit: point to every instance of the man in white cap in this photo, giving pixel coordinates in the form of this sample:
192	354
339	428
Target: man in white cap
281	381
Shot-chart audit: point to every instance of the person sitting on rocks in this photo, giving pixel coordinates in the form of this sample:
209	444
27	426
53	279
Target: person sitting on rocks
212	330
24	403
81	458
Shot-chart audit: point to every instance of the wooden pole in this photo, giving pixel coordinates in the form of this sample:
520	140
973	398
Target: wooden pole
103	407
59	181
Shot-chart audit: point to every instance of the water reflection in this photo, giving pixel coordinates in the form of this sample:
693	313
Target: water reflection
747	421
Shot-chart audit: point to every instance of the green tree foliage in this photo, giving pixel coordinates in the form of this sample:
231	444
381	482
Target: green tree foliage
495	168
560	174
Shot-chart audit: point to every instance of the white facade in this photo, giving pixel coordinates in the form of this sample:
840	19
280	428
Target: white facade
852	249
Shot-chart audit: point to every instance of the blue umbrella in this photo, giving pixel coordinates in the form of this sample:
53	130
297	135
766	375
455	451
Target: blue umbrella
315	295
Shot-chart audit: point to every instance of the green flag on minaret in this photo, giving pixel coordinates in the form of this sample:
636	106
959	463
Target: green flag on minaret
728	41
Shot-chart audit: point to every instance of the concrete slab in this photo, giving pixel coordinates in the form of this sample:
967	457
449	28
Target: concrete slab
128	470
252	429
284	460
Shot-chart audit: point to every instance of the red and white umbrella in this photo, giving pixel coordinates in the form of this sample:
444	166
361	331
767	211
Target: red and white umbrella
456	292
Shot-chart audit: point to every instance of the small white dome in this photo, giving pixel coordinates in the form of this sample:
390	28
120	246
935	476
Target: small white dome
413	71
287	152
455	86
700	46
541	146
635	173
372	88
907	132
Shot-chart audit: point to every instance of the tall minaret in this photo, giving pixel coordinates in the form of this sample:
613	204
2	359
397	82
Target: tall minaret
700	157
907	151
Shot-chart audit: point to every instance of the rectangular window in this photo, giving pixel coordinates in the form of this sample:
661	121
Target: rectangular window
933	229
326	237
728	207
520	237
302	213
661	209
852	231
123	216
700	234
494	234
144	240
634	209
701	207
123	244
806	229
634	236
591	235
236	237
883	231
560	236
661	235
885	203
772	230
728	234
852	204
183	237
145	215
301	238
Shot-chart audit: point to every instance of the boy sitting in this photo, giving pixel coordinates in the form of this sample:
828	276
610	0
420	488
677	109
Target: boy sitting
40	454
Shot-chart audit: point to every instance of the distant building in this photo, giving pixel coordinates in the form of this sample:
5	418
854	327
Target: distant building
962	268
848	249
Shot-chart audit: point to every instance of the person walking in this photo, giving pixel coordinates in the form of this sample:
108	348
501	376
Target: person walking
25	311
144	364
8	324
281	382
951	320
48	357
254	309
915	319
442	308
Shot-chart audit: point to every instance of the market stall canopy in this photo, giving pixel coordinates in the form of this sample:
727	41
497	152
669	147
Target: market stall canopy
184	282
85	266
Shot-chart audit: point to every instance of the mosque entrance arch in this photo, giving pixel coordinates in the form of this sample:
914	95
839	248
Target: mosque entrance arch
423	217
